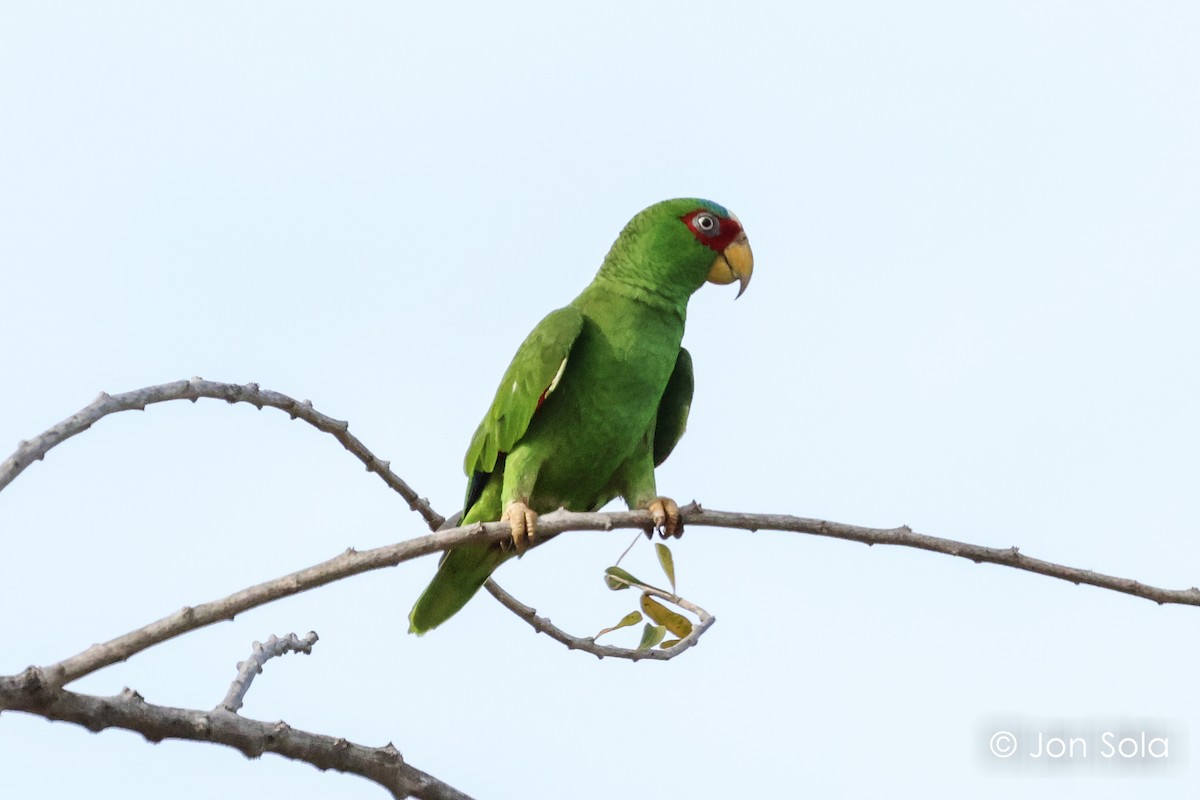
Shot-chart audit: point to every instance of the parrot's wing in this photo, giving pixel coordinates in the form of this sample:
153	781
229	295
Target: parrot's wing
529	380
673	408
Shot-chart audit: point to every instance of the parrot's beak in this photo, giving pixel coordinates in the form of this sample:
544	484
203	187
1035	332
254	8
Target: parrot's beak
735	263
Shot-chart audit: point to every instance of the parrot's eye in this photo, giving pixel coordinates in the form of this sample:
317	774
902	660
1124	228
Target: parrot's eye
707	224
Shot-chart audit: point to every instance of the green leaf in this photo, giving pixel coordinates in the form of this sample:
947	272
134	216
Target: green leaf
618	579
632	618
667	562
651	635
668	644
675	623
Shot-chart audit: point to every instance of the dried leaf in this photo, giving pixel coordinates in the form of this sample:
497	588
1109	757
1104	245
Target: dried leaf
675	623
632	618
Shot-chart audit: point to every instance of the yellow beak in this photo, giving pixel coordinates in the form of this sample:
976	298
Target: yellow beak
735	263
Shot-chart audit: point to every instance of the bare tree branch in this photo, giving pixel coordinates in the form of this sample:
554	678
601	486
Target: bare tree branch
350	562
904	536
588	644
35	449
29	692
353	562
260	654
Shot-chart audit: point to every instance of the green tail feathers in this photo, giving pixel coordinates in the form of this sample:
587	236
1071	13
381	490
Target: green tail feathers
458	578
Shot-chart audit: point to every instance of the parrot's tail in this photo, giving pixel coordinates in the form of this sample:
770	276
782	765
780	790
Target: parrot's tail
459	576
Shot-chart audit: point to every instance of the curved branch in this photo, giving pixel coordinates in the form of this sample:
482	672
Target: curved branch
36	448
588	644
31	693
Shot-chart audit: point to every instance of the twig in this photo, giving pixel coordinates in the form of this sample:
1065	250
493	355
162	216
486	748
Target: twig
29	692
588	644
260	654
36	448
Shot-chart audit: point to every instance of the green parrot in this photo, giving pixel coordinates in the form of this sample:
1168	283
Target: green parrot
596	397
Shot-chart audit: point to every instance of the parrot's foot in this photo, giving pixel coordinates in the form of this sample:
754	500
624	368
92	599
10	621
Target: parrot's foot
523	520
666	517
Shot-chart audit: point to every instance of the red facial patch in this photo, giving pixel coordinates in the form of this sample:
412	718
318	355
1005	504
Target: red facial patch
727	229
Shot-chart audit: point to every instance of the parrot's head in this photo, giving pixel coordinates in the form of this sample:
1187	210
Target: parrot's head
675	246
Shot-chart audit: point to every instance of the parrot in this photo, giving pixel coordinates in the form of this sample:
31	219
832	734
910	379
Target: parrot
596	396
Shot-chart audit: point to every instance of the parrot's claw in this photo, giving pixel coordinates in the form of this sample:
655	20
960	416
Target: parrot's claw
523	520
665	514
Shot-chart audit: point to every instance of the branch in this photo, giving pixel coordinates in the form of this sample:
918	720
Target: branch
189	618
353	562
260	654
588	644
31	693
906	537
41	692
36	448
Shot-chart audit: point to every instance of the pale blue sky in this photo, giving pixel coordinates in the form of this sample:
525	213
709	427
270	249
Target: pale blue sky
973	311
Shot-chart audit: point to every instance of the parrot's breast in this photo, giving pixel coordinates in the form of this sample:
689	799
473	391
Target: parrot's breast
604	406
